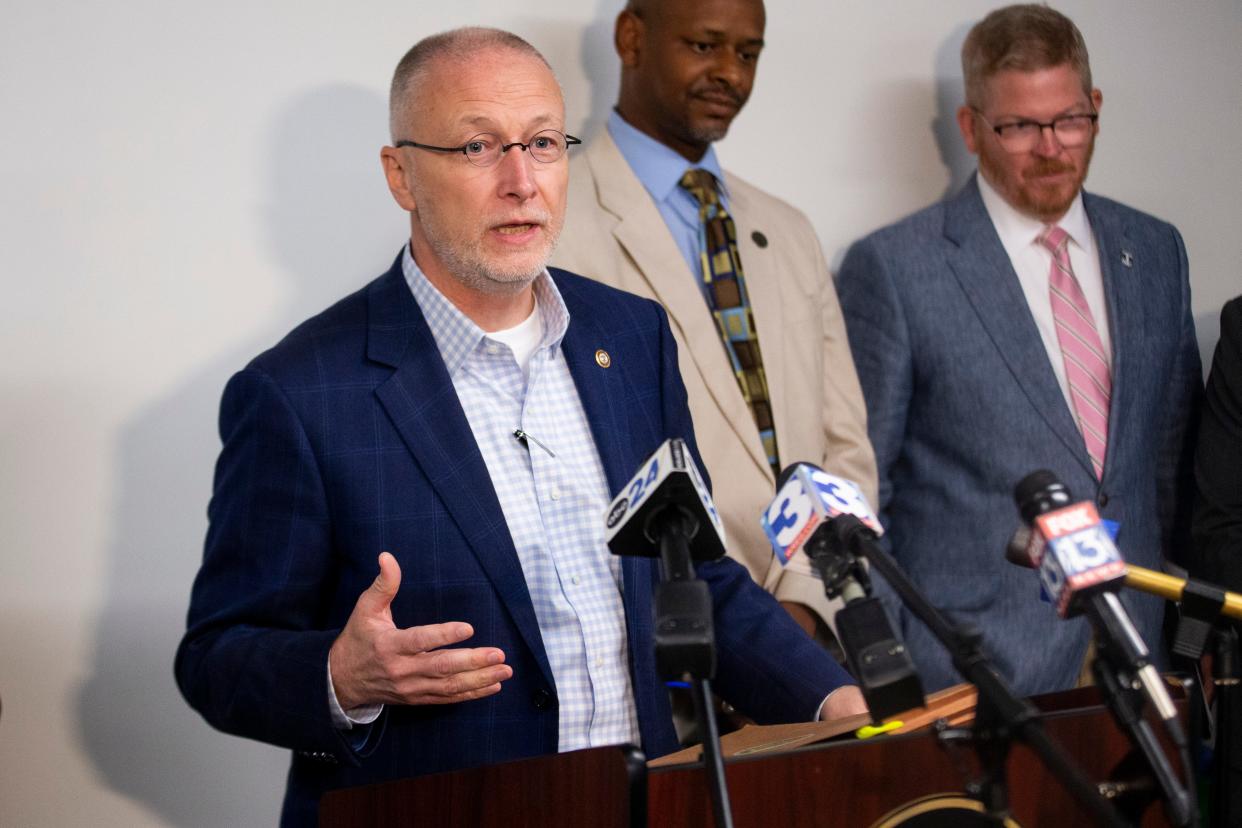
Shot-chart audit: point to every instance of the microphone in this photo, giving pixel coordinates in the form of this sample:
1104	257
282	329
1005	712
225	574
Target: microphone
666	490
1026	547
666	511
807	500
1140	579
1082	571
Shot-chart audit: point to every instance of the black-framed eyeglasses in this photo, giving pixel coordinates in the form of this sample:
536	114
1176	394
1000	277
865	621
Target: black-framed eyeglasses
1023	136
485	149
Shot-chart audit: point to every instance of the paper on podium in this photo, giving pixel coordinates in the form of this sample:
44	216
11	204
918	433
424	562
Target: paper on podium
955	704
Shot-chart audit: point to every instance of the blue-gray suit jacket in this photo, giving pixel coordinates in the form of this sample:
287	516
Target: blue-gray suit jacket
346	439
962	403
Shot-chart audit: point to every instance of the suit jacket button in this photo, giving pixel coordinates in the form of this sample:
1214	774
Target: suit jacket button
1101	499
542	699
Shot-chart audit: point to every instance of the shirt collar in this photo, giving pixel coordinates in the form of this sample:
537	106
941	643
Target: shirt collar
1021	230
456	335
657	166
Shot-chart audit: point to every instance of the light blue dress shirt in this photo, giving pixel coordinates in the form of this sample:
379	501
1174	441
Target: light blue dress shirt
660	168
553	494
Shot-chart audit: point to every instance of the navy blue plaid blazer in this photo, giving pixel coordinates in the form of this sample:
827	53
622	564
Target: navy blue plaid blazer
347	439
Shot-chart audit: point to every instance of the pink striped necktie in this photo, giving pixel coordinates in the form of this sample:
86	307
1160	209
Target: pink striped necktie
1086	364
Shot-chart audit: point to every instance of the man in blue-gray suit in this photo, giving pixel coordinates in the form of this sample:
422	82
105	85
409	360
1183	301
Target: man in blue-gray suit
464	419
1023	324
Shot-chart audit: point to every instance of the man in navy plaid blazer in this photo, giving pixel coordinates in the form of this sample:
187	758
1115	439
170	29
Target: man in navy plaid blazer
381	425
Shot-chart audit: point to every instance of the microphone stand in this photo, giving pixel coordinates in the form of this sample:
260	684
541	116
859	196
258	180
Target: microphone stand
876	655
1001	716
1203	620
1126	703
1227	796
685	640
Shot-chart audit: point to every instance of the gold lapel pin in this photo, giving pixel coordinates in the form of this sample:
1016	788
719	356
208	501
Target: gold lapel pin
602	359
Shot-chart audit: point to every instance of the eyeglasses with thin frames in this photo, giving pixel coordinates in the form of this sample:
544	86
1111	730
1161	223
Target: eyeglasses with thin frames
1017	137
485	149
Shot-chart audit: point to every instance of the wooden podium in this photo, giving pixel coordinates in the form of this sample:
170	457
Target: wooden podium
885	780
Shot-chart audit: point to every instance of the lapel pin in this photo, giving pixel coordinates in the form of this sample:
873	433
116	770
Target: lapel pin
759	239
602	359
1127	258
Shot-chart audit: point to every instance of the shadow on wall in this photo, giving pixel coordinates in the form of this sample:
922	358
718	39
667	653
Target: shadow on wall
332	227
601	65
563	44
951	94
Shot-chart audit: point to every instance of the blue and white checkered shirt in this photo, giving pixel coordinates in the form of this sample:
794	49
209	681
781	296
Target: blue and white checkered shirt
553	500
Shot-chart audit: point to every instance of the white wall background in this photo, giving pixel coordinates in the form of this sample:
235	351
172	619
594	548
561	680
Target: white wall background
180	183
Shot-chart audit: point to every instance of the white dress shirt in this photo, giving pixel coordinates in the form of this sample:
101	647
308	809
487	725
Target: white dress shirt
1019	234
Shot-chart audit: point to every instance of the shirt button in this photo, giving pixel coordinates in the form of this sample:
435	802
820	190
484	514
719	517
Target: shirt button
493	349
575	580
555	493
599	662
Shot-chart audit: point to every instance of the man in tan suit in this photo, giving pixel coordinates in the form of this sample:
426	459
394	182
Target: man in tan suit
687	70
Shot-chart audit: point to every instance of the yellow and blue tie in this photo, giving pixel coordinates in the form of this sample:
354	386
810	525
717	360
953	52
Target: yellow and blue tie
726	296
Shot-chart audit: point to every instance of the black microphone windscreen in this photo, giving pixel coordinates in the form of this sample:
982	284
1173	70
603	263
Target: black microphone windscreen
1040	491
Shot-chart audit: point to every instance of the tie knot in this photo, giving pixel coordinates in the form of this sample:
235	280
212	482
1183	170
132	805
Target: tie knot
1054	238
702	185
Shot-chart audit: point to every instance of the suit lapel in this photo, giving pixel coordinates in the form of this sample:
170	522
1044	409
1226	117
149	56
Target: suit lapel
420	399
982	267
641	232
1122	290
600	389
603	397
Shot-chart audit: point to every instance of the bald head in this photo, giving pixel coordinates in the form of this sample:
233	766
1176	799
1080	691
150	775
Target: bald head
482	224
687	67
649	10
454	46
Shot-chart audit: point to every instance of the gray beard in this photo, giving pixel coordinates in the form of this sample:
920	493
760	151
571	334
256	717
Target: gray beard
475	274
708	135
464	263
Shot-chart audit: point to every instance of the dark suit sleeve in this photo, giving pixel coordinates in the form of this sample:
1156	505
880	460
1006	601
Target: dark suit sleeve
767	666
252	661
1181	412
879	341
1217	528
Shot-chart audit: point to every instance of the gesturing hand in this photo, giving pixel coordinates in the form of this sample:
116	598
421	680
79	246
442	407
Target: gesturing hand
373	662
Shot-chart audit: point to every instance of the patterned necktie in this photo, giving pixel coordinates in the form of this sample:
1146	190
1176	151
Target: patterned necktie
1086	365
726	295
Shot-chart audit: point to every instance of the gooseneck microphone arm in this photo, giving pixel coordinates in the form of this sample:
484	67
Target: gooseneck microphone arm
997	701
1126	704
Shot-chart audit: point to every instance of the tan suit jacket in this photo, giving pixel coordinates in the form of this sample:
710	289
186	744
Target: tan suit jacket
614	233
